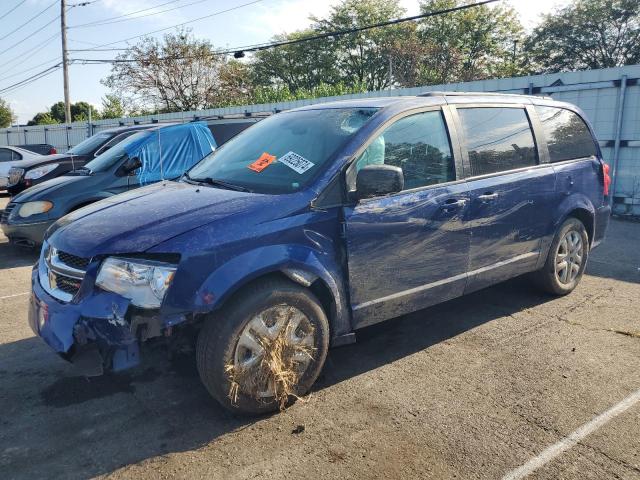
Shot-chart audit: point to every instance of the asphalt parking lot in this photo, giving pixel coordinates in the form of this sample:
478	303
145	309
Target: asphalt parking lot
474	388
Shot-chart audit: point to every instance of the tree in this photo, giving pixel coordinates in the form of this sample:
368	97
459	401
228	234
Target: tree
587	34
471	44
301	65
42	118
79	112
112	107
363	58
7	117
176	74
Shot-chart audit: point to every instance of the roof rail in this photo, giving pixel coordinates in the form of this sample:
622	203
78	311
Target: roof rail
478	94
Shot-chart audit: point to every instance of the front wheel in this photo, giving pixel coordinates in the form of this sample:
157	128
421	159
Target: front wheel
265	348
566	260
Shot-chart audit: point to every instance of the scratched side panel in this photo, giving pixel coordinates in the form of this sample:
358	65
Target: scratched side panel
401	244
509	228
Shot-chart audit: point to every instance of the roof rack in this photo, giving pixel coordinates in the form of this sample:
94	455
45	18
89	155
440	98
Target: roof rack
479	94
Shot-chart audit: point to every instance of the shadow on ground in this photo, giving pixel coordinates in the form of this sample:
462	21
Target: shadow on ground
56	425
76	427
619	257
12	256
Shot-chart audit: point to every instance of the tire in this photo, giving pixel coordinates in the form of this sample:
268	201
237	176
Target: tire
558	280
220	347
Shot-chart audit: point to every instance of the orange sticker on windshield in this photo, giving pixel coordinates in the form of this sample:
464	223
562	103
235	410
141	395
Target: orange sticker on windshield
263	162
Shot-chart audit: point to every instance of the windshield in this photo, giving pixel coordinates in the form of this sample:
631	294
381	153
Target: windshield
282	153
88	146
108	159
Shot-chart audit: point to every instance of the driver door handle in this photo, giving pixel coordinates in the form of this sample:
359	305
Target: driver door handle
453	204
487	196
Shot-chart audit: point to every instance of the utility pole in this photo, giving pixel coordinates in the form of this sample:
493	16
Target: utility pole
65	62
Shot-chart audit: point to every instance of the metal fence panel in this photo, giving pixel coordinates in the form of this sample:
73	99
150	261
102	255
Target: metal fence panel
597	92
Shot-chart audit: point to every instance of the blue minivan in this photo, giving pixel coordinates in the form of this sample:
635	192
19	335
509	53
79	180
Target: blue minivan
317	222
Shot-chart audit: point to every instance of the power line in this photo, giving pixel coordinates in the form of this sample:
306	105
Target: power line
333	34
33	50
30	20
30	35
100	23
31	79
29	69
12	9
220	12
124	14
338	33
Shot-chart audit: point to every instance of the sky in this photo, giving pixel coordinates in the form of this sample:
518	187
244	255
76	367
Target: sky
34	47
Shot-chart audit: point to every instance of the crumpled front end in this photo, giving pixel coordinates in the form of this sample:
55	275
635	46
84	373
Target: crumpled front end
92	328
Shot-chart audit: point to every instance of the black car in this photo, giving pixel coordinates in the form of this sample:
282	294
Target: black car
41	148
51	166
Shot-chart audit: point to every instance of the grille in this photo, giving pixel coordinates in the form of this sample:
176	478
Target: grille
4	218
73	261
67	284
15	175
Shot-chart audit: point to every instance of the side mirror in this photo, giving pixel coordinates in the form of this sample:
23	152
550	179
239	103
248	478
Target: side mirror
130	166
375	180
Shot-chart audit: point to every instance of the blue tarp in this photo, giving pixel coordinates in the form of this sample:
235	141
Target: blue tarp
168	152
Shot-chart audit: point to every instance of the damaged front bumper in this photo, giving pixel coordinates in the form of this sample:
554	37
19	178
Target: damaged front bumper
97	330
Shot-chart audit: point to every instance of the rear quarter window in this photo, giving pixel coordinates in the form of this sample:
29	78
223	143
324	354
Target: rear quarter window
567	135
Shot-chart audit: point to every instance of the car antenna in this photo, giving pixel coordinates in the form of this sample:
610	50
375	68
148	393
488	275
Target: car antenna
160	151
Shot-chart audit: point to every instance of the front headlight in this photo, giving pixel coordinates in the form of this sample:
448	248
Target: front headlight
34	208
40	171
143	282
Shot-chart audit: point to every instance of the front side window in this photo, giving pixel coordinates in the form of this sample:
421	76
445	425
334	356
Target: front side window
419	145
283	153
115	154
567	135
497	139
114	141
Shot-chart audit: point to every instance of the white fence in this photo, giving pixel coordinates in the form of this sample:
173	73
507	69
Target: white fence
610	97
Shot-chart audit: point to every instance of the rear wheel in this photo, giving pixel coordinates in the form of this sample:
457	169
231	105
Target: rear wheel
265	348
566	260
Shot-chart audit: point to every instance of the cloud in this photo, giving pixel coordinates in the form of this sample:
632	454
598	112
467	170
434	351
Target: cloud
118	7
284	16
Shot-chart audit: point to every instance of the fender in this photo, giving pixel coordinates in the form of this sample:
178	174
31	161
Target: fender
293	260
570	203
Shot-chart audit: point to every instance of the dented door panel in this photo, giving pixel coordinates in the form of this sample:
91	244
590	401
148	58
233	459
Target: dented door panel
406	251
508	216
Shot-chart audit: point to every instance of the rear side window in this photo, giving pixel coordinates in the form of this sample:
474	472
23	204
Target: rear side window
5	155
497	139
16	156
419	145
567	135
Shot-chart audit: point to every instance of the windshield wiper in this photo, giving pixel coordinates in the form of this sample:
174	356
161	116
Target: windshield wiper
218	183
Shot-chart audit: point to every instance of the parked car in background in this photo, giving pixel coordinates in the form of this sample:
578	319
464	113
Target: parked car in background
41	148
10	156
149	155
47	167
317	222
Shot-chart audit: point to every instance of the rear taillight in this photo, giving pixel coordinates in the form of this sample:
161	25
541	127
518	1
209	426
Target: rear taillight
606	179
53	151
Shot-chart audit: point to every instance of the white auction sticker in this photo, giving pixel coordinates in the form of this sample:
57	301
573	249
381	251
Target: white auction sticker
296	162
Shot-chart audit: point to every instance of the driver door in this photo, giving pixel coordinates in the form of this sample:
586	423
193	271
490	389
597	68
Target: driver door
409	250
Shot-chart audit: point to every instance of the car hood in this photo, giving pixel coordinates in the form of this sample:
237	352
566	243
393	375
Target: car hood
136	221
47	190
